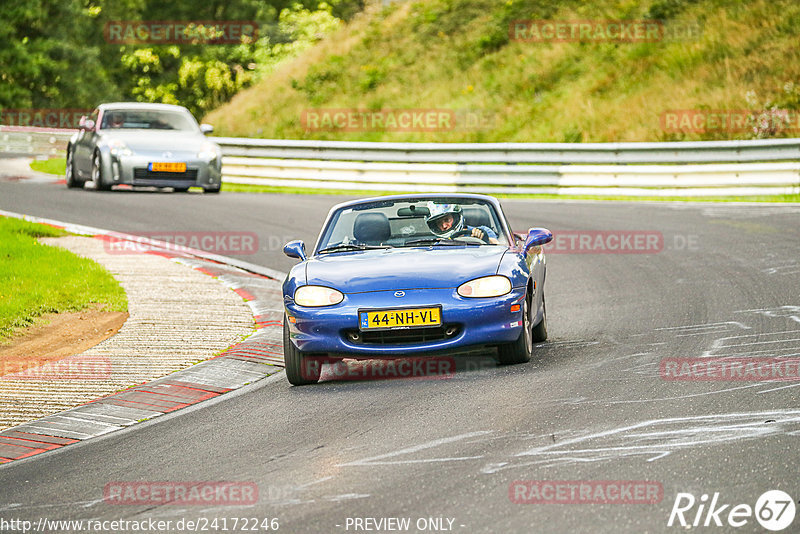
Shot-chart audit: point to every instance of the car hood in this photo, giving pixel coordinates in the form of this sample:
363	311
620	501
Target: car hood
158	140
403	268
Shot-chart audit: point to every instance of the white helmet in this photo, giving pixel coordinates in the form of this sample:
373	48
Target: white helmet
439	212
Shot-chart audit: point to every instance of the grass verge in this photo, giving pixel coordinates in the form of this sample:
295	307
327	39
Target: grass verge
50	166
36	279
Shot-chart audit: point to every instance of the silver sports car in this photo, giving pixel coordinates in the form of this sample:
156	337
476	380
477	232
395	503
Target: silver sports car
157	145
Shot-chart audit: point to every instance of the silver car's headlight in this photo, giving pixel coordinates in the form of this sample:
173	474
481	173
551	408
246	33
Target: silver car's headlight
488	286
119	148
316	296
208	152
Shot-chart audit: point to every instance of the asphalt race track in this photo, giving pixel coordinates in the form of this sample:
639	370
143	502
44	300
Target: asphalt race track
592	406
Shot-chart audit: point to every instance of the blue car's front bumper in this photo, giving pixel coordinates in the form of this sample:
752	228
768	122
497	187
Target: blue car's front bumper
478	321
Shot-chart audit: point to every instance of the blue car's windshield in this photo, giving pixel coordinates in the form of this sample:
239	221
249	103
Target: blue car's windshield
413	222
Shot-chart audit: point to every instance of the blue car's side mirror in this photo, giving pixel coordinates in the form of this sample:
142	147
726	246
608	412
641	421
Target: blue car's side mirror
537	237
295	249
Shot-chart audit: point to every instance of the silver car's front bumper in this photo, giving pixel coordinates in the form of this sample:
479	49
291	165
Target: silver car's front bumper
134	170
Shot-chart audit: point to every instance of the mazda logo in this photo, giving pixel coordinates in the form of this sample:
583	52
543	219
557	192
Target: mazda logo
167	154
399	294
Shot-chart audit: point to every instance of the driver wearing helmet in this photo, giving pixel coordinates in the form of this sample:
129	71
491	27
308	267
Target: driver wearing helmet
446	221
116	119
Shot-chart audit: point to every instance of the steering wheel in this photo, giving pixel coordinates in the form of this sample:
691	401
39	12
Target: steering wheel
468	233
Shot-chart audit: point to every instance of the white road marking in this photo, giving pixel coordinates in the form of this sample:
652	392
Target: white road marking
719	343
708	325
313	482
776	389
657	438
346	497
375	460
788	312
793	268
662	399
763	342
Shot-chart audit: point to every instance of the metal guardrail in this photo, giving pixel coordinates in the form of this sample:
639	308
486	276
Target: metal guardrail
509	153
34	141
715	168
707	168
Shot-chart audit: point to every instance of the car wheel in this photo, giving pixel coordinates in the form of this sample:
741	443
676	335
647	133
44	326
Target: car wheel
212	189
71	177
540	330
97	174
180	189
300	369
518	351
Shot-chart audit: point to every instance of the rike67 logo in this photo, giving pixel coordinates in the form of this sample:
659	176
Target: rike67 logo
774	510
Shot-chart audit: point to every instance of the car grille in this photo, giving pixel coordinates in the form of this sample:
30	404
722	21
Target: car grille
142	173
404	336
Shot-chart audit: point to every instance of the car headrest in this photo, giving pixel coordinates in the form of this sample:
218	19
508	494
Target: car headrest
371	228
476	217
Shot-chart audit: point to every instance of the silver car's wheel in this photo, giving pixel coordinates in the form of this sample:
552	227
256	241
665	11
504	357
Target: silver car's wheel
71	177
97	174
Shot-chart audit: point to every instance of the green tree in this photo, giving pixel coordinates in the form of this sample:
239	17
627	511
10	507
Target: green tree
54	53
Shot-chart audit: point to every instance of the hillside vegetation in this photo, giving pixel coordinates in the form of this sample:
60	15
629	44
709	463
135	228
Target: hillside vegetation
458	55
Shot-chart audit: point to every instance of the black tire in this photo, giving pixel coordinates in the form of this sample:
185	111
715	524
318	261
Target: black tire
539	332
518	351
301	370
180	189
72	179
212	189
97	174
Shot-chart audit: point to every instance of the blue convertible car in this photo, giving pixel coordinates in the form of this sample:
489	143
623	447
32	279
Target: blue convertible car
412	275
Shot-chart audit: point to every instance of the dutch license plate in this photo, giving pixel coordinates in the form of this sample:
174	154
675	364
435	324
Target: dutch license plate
167	167
410	317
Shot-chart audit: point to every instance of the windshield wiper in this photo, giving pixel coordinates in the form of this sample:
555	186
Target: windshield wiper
351	246
436	241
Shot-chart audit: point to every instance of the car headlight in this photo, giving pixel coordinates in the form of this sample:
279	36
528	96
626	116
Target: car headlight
208	152
119	148
316	296
488	286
